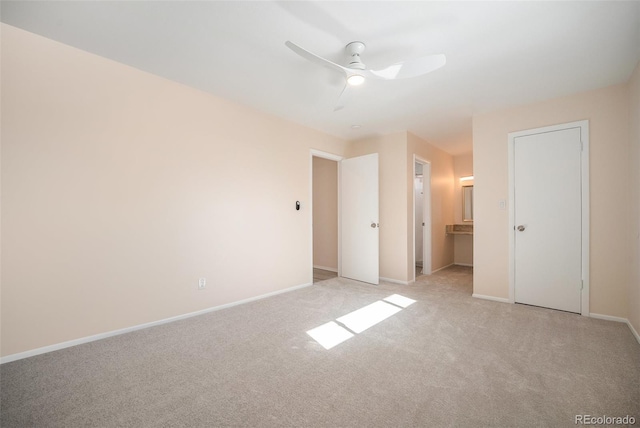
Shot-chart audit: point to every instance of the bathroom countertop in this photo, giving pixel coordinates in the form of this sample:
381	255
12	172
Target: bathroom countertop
459	229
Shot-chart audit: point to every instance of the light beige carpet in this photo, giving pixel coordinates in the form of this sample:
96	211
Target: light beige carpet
446	360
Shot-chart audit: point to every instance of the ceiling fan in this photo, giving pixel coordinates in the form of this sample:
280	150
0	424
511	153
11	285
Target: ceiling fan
355	73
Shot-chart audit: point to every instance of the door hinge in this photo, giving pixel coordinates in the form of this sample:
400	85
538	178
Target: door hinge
581	146
582	284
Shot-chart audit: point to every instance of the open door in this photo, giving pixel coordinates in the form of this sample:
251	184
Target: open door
359	218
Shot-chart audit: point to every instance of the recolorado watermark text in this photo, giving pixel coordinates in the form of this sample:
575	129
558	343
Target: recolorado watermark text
604	420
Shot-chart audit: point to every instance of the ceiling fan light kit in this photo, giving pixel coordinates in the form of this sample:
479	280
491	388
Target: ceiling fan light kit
355	73
355	80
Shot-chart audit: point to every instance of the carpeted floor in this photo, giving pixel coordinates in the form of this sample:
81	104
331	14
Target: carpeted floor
446	360
322	275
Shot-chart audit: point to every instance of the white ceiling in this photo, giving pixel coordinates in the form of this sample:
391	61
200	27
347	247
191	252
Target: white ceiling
499	54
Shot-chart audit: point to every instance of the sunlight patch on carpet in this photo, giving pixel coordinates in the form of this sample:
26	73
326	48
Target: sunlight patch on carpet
360	320
331	334
399	300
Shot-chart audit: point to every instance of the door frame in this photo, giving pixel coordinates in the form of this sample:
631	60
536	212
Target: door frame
584	159
426	215
337	158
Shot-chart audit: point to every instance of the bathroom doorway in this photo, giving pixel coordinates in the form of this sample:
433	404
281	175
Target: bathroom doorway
421	217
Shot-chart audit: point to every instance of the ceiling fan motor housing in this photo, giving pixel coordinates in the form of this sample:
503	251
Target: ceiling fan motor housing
354	49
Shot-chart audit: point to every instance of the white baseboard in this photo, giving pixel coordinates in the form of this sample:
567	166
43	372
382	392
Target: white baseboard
464	264
330	269
617	319
443	267
394	281
80	341
492	298
608	317
634	331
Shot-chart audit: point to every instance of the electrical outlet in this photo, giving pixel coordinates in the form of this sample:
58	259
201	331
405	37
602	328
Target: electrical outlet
202	283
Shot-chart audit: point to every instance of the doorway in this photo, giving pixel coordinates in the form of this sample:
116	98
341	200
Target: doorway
549	217
421	217
324	172
357	216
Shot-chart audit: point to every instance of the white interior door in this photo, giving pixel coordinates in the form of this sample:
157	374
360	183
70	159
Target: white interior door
426	218
548	219
419	217
359	218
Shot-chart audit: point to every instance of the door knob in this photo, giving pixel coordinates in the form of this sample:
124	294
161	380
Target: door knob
521	228
374	225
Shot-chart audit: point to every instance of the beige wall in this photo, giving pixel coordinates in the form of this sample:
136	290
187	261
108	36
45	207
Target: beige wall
391	151
607	112
634	229
120	189
463	244
325	213
442	194
463	250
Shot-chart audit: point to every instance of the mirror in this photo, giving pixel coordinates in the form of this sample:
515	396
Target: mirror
467	203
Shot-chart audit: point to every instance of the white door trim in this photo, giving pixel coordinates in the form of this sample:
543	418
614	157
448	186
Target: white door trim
584	134
333	157
426	215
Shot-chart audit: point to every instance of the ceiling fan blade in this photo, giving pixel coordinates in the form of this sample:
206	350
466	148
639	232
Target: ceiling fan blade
411	68
315	58
344	97
316	15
